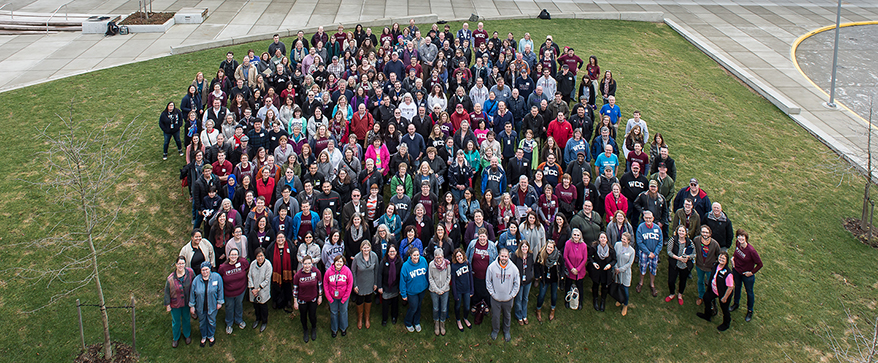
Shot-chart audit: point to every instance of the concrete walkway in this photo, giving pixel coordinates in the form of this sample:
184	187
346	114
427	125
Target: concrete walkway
751	38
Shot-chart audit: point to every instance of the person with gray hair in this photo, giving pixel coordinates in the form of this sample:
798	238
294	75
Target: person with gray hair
440	283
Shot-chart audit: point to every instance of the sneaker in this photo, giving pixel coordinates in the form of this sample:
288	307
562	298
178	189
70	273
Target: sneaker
493	335
165	157
411	329
749	316
418	328
507	336
242	325
229	329
181	153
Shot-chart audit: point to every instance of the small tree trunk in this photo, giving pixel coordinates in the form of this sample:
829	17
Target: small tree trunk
864	217
105	320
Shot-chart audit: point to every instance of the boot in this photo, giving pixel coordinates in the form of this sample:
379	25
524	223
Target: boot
442	328
359	316
436	327
603	302
597	307
552	314
367	312
306	337
539	316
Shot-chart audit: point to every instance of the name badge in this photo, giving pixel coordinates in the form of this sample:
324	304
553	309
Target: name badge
313	274
214	283
331	203
335	294
238	264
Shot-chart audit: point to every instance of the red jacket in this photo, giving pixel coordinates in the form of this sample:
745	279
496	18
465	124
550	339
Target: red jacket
612	205
561	131
266	190
360	125
457	118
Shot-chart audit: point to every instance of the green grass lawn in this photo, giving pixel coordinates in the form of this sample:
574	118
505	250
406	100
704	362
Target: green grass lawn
745	152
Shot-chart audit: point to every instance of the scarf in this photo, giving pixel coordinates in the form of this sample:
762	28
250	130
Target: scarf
553	258
440	266
391	275
357	232
283	270
603	250
231	188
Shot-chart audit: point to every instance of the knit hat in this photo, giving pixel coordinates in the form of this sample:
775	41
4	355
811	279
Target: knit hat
205	264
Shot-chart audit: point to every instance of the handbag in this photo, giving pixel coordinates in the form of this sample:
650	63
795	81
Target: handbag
616	291
572	298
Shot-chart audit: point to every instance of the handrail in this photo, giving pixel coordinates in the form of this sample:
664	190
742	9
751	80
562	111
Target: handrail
11	12
56	11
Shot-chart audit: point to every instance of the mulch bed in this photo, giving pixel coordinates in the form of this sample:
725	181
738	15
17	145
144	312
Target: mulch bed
151	19
853	226
123	354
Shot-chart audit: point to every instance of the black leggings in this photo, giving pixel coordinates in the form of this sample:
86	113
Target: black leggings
390	307
674	274
360	299
480	289
261	312
282	294
597	287
309	307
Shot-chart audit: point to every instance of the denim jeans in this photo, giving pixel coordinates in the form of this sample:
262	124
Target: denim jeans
168	137
413	314
440	305
461	305
624	295
207	324
541	297
180	322
338	315
748	285
521	301
235	309
458	194
702	277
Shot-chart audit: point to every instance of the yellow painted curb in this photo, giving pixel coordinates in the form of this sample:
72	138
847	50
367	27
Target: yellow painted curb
819	30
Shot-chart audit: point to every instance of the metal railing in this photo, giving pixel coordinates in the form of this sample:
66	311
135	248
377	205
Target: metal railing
66	18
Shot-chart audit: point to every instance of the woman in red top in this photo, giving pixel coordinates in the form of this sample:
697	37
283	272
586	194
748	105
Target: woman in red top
265	186
548	205
747	262
615	201
307	294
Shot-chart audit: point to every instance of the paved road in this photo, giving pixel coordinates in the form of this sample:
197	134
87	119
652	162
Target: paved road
753	36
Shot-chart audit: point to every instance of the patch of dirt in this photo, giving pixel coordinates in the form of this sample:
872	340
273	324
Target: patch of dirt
853	226
124	354
139	18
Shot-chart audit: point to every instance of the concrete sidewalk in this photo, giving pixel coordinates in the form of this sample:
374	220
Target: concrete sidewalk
751	38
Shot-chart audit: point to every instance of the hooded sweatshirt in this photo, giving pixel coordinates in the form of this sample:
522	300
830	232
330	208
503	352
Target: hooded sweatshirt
413	277
502	282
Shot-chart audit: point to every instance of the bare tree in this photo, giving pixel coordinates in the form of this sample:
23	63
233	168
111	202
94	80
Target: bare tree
857	344
84	167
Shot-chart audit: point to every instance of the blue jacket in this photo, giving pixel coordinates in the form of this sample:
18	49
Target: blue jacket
492	250
500	124
405	244
649	239
597	147
574	147
214	294
297	222
494	180
413	277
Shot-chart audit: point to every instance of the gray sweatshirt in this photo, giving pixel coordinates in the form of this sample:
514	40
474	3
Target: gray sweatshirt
365	273
440	281
502	283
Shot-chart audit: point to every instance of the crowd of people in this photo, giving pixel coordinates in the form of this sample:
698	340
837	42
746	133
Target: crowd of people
455	164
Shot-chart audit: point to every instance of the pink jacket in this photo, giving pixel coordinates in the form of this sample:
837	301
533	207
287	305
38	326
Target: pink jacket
381	158
338	284
576	256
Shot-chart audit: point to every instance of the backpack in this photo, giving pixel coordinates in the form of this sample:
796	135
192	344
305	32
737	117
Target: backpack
479	310
112	28
544	15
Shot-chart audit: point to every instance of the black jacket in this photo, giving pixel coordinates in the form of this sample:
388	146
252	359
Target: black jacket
170	122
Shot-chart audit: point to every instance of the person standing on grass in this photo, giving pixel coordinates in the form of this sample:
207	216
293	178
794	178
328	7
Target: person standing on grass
307	295
170	122
234	275
177	289
575	260
602	258
388	283
205	300
706	253
523	259
722	285
412	284
440	283
364	269
461	287
622	270
337	284
503	281
649	245
747	262
259	283
681	249
549	267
